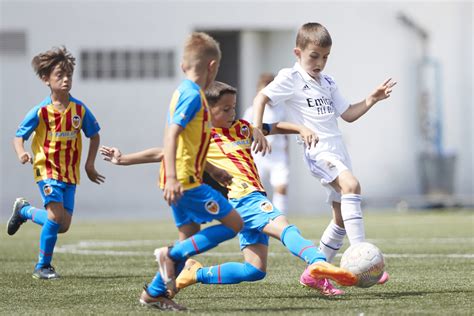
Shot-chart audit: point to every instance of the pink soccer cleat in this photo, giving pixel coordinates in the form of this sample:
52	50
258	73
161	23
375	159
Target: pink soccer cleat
323	286
384	278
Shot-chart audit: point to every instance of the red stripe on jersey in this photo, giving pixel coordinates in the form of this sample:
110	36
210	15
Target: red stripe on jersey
49	170
68	145
233	158
203	147
57	146
253	177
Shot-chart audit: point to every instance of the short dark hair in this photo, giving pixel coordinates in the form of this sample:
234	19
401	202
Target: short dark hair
216	90
313	33
44	63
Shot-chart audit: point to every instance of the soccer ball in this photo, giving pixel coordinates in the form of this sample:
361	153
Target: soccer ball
365	261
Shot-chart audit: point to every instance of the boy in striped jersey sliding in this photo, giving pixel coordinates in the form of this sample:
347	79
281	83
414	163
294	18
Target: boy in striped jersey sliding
230	149
56	125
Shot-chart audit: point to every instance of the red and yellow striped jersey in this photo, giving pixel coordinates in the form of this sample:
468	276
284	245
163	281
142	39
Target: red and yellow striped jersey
189	109
230	149
57	142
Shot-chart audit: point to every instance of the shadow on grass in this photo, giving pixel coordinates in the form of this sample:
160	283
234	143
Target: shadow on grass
397	295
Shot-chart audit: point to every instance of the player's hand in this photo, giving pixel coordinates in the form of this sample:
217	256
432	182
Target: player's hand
93	175
309	137
25	157
111	154
260	143
173	191
221	176
381	92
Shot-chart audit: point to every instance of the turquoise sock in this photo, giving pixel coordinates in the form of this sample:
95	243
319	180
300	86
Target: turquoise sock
48	237
37	215
157	286
300	247
200	242
229	273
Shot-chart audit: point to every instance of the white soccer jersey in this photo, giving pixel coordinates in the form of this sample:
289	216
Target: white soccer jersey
307	102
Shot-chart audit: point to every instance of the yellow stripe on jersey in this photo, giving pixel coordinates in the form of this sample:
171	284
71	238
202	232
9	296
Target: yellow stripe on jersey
230	149
193	141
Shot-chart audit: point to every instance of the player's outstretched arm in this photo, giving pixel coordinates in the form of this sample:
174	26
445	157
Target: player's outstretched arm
309	137
380	93
23	156
259	144
93	175
115	156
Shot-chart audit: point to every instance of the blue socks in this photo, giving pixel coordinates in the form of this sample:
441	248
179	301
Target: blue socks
200	242
48	237
38	216
300	247
229	273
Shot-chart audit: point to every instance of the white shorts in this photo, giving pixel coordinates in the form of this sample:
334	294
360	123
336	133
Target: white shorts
273	167
326	162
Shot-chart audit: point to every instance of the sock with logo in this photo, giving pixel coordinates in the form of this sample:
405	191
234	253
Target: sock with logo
300	247
352	215
200	242
229	273
37	215
48	237
331	240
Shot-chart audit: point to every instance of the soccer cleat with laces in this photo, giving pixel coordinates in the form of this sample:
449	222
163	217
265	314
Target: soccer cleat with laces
188	275
322	285
325	270
166	269
16	220
384	278
161	302
46	273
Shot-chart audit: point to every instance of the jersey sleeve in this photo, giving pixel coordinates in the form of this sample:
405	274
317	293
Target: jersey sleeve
339	102
281	88
29	124
90	126
189	103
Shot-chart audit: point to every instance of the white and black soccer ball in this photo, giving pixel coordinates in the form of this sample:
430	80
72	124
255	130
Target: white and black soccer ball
366	261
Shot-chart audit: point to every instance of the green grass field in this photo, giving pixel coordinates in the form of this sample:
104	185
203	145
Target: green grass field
430	258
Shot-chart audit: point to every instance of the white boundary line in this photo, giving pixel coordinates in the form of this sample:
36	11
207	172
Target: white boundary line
84	248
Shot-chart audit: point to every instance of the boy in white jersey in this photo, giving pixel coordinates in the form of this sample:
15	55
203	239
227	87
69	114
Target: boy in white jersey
312	99
273	166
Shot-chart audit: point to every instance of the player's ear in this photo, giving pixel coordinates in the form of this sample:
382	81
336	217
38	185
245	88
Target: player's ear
183	67
297	52
45	79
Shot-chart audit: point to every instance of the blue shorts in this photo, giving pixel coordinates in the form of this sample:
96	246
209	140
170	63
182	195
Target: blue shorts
57	191
200	205
256	211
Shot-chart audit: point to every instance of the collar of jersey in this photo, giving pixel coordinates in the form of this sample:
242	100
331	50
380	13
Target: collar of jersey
297	67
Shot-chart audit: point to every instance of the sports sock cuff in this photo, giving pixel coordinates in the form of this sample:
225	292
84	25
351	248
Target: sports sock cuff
351	198
288	229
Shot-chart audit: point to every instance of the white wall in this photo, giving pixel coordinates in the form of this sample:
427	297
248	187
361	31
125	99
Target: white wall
369	44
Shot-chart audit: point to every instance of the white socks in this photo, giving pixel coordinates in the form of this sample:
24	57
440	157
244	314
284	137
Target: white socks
352	217
331	240
280	201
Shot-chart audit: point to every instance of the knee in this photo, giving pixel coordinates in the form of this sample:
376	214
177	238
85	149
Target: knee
64	228
254	274
350	186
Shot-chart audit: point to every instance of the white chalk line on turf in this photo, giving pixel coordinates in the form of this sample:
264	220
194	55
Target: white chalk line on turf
96	247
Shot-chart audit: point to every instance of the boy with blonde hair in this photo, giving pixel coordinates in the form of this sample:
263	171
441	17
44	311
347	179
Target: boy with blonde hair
56	124
186	143
313	99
